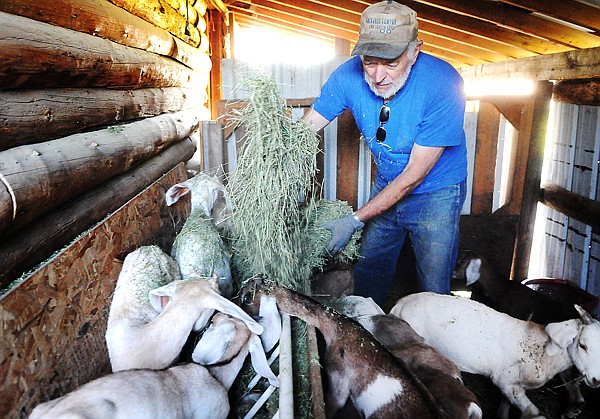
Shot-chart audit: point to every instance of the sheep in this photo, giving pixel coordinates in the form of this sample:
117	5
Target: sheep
357	366
184	391
137	336
440	375
199	248
519	301
516	355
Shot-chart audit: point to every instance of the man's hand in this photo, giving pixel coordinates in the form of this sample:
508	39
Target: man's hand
341	230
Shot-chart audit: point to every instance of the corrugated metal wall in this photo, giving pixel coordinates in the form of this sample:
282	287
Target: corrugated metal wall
564	247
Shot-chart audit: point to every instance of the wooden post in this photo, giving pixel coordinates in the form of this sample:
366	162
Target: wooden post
347	159
485	158
215	34
533	133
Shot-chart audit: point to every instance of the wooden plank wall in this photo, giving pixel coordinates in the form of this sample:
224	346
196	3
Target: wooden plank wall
53	324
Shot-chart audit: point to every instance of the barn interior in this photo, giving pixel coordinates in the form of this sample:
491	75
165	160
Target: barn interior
104	104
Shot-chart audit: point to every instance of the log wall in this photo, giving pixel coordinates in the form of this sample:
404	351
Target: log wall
98	100
91	91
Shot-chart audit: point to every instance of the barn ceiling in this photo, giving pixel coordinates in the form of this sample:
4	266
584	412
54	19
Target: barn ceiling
462	32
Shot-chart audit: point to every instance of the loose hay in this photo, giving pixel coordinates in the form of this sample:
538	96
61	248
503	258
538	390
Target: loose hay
275	173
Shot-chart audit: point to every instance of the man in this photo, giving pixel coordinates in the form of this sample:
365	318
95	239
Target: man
409	106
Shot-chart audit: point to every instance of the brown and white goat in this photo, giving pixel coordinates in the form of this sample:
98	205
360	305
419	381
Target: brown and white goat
440	375
356	364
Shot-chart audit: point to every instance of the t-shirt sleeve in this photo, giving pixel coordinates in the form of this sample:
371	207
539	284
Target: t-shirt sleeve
331	101
443	118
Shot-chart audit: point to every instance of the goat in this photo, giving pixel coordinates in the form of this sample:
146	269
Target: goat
357	366
510	297
227	339
209	197
134	342
440	375
516	355
519	301
199	248
183	391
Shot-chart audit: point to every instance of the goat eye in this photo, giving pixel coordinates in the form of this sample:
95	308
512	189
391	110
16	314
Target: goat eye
246	298
582	346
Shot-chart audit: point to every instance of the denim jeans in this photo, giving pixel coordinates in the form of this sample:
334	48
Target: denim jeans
431	221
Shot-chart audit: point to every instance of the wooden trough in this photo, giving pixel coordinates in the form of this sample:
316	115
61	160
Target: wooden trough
52	324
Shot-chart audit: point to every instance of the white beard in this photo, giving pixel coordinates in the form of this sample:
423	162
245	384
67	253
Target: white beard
395	88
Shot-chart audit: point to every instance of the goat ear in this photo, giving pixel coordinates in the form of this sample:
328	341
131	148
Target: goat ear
177	191
259	361
473	271
222	304
585	316
159	297
270	320
561	335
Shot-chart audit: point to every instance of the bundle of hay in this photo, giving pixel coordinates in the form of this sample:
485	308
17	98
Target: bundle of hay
276	223
275	173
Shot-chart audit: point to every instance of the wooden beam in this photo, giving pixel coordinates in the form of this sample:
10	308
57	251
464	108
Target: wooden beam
486	146
578	13
577	64
522	21
573	205
534	134
161	14
57	171
35	116
217	40
38	55
473	26
38	241
347	159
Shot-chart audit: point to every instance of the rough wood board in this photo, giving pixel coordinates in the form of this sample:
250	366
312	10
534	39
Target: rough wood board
52	326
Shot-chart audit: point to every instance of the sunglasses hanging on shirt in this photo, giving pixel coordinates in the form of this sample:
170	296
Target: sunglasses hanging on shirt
384	115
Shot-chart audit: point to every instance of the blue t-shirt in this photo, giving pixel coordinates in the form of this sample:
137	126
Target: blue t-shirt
428	110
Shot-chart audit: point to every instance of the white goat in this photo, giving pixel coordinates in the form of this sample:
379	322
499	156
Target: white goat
199	248
516	355
357	366
136	338
184	391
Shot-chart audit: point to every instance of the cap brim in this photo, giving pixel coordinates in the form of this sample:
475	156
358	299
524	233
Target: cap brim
385	50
